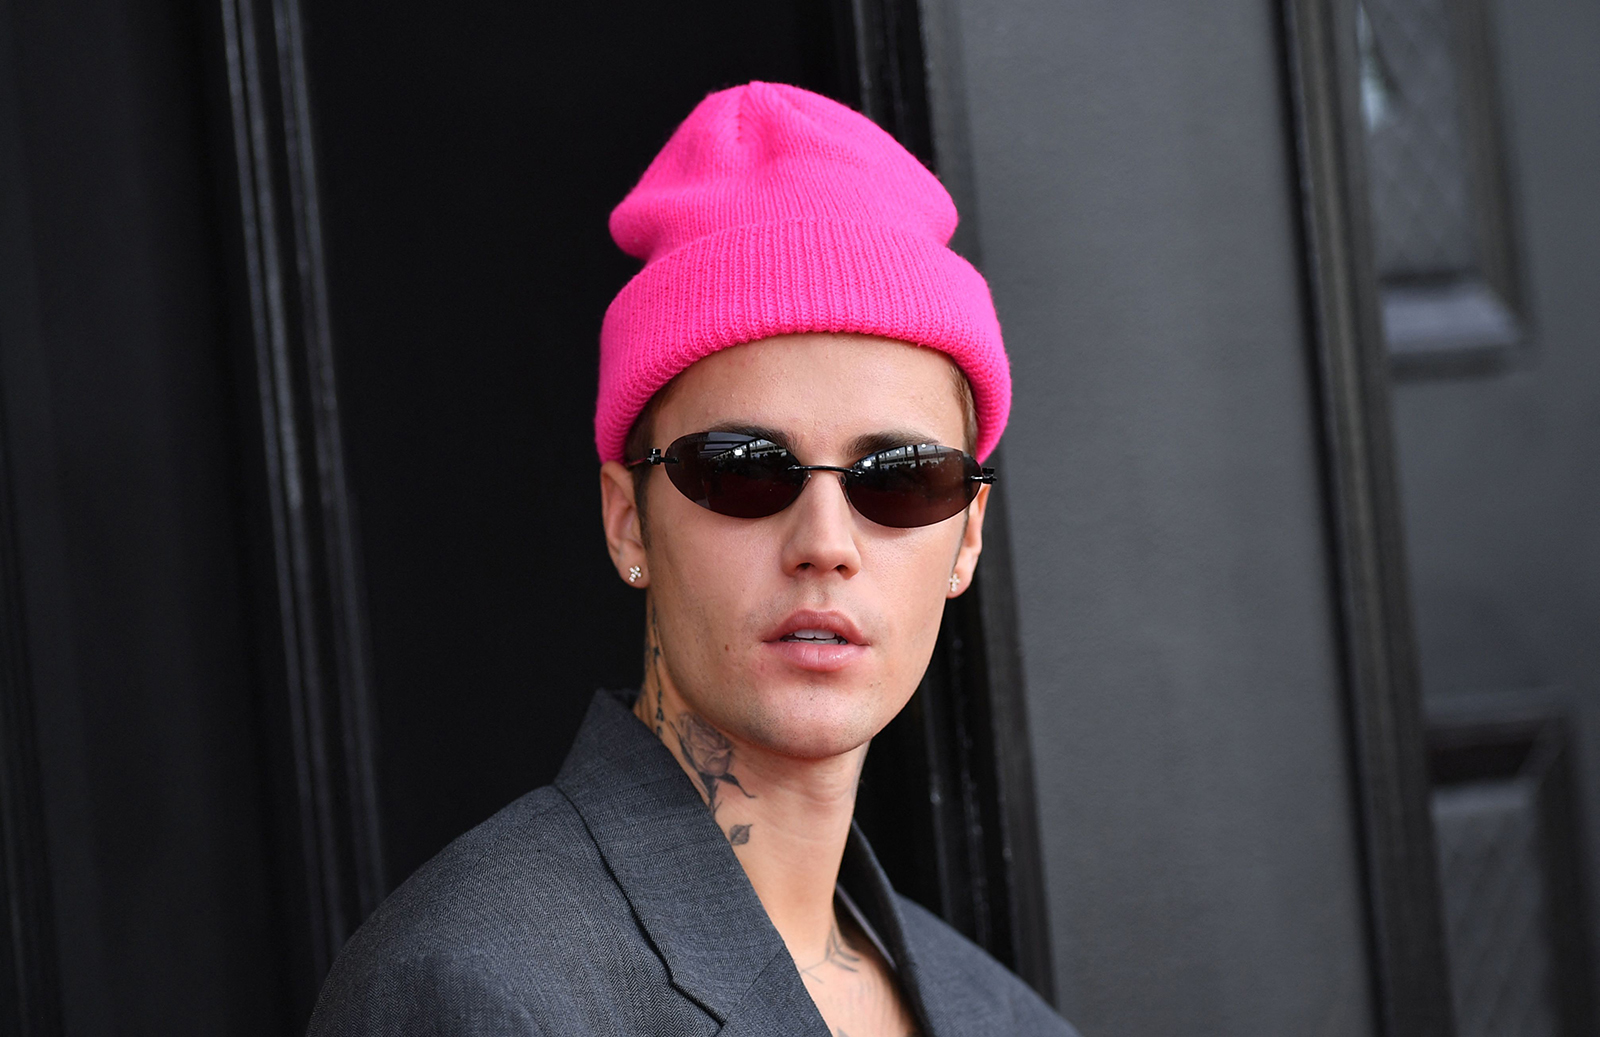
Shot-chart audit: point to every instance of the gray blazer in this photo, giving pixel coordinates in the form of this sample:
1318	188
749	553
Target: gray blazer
610	903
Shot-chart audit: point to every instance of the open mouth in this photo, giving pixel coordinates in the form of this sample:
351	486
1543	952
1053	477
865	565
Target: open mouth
815	637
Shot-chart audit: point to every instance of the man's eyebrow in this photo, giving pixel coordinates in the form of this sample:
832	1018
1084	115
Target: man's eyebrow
758	431
872	442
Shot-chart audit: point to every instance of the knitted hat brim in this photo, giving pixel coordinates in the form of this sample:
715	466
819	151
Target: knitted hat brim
752	282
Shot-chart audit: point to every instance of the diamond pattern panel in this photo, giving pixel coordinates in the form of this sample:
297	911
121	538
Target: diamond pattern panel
1419	178
1496	923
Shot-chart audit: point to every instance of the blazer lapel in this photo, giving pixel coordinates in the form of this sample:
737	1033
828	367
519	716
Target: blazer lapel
681	877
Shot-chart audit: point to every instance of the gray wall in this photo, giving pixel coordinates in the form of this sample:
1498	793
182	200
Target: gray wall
1127	170
1501	474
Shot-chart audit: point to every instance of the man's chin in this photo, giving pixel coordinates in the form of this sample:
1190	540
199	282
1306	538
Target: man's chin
805	724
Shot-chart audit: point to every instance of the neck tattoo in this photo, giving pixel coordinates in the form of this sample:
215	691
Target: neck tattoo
707	751
655	669
836	955
710	754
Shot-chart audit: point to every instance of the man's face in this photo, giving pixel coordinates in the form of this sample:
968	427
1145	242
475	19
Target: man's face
727	593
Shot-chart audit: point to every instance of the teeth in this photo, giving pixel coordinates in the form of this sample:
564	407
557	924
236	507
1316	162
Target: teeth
816	637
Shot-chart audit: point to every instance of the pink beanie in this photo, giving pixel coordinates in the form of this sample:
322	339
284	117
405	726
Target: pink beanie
774	210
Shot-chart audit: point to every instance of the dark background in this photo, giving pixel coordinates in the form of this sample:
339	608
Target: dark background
124	476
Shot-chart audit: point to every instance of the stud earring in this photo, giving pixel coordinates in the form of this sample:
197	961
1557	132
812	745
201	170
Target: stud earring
634	572
955	581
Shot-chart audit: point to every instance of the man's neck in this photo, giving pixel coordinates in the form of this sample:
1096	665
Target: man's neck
787	819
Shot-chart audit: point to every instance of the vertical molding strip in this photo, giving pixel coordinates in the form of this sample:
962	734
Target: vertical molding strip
29	985
30	981
30	1003
319	596
1383	696
346	585
1021	854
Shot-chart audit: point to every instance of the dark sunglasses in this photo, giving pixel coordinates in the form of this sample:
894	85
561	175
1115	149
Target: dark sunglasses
744	476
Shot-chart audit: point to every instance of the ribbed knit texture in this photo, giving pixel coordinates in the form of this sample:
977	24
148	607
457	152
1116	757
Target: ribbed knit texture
774	210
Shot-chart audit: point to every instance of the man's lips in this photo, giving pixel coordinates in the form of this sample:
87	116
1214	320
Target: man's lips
809	626
822	642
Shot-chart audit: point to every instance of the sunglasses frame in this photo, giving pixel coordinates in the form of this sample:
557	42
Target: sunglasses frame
985	476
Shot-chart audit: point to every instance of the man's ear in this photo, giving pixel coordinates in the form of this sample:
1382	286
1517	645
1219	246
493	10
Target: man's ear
971	543
619	514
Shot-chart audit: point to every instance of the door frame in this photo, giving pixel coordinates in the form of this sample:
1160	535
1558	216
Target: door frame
1386	735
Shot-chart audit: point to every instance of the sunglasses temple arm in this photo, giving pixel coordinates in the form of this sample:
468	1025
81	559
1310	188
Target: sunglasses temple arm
654	457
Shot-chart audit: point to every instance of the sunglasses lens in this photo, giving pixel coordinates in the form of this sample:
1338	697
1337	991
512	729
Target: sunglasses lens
733	474
913	486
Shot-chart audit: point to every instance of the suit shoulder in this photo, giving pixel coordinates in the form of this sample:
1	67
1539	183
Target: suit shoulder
426	962
516	881
426	993
971	983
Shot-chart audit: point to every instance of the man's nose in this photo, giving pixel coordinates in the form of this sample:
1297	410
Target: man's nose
822	529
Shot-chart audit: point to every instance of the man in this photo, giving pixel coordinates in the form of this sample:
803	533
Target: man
795	393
